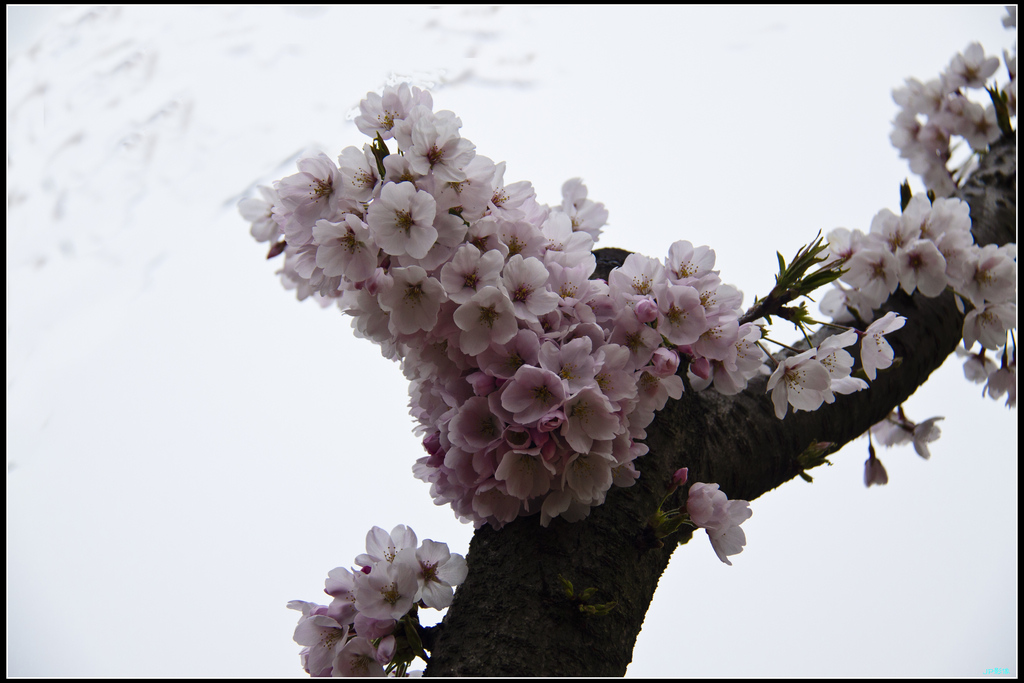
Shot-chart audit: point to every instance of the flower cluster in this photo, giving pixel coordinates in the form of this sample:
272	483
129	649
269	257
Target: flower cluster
358	634
896	429
927	249
981	369
532	383
947	111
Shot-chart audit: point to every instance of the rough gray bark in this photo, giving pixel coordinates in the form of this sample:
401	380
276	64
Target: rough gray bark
511	617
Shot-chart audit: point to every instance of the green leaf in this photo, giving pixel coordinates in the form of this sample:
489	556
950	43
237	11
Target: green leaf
567	586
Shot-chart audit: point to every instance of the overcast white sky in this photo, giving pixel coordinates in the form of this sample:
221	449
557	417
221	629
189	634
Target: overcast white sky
189	448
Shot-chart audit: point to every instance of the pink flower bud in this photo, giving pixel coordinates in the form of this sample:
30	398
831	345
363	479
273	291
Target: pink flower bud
646	311
483	383
551	421
701	367
432	443
679	478
379	280
874	473
666	362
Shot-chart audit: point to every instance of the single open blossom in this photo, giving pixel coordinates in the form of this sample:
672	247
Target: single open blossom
589	476
922	267
710	509
402	220
989	325
486	318
1003	381
874	273
378	114
525	281
683	317
384	547
413	300
388	591
345	248
800	381
306	197
469	271
323	637
525	475
533	393
439	571
261	213
875	352
924	433
588	417
358	658
437	147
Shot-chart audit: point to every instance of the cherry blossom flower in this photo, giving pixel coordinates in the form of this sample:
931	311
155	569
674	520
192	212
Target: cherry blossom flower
439	571
469	271
683	318
384	547
922	267
533	393
970	69
413	300
990	275
1003	381
521	238
589	476
525	280
476	427
875	352
323	636
306	197
358	658
401	220
436	146
486	318
566	246
261	213
525	475
571	362
924	433
388	591
589	417
345	248
874	472
686	263
585	215
359	173
874	273
507	200
641	340
340	585
839	363
710	509
637	277
800	381
379	113
989	325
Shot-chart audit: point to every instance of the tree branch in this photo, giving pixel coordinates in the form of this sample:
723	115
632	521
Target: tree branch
511	616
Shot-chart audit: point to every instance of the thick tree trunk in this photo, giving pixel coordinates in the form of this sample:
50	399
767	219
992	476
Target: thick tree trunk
511	616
